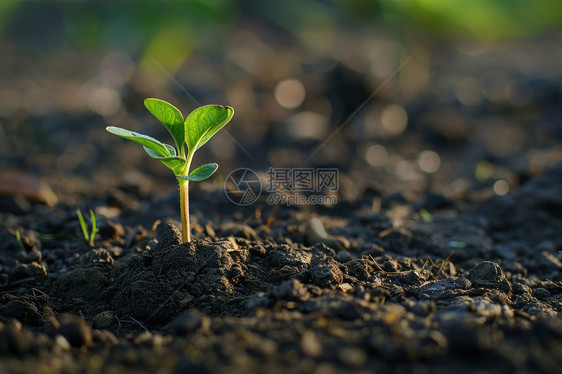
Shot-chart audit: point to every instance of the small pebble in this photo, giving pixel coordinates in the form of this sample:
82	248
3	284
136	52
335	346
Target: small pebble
105	337
147	339
316	233
62	343
103	320
310	344
488	274
98	256
15	339
190	321
76	331
291	289
443	288
32	270
325	271
116	251
521	289
344	256
352	356
541	293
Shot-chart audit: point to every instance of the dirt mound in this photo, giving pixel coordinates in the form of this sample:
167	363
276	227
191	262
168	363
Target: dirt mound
216	277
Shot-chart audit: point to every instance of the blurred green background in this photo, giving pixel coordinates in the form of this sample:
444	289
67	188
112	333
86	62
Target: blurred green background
411	94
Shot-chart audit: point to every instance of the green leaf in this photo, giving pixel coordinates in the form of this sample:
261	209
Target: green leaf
204	122
201	173
171	149
83	224
154	145
174	163
170	117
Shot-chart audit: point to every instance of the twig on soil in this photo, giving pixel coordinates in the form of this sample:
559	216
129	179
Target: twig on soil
133	320
444	262
384	233
376	264
556	284
425	263
433	264
140	324
118	326
39	291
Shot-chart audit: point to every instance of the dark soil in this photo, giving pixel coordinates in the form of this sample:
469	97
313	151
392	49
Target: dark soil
468	289
414	270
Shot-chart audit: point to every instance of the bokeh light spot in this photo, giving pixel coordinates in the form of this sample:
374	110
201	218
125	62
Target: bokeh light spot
290	93
429	161
394	119
376	155
308	125
104	101
501	187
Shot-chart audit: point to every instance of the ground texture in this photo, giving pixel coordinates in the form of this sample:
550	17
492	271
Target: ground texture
459	290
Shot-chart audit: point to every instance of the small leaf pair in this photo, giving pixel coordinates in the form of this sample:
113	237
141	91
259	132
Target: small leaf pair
193	132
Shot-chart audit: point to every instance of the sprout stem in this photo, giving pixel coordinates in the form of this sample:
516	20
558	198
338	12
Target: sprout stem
184	205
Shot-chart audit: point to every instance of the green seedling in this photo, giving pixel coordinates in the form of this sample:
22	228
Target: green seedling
18	238
89	237
425	215
193	132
